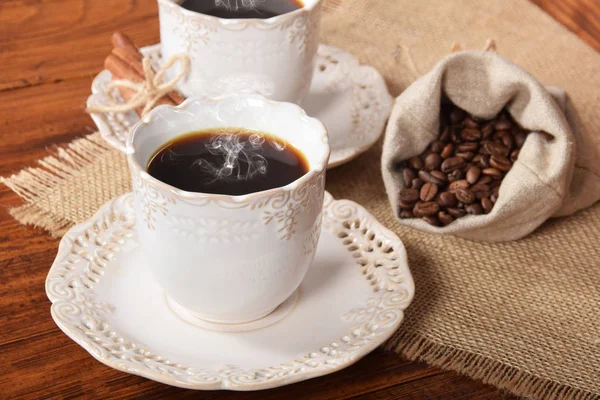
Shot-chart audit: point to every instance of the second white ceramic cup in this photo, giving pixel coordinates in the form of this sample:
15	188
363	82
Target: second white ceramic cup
273	57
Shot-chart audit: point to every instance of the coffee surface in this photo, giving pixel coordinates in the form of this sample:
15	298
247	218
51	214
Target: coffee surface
229	161
242	8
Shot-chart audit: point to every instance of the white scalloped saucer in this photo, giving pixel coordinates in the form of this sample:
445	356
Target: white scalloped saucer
351	301
352	101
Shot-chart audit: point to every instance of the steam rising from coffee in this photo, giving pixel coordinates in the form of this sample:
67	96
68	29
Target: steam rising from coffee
231	161
237	159
237	5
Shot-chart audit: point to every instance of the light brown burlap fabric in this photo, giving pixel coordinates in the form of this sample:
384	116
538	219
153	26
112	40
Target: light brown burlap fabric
522	315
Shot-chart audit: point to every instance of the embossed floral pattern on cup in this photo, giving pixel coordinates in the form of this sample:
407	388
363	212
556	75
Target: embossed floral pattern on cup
351	133
231	55
247	236
379	258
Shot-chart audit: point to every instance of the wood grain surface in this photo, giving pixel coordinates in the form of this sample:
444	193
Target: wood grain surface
49	52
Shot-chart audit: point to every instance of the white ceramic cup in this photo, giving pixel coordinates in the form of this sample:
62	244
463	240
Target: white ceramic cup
229	259
273	57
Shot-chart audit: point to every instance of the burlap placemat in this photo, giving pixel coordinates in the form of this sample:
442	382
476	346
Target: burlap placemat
524	315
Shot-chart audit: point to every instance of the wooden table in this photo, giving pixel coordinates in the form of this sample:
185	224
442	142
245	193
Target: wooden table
49	52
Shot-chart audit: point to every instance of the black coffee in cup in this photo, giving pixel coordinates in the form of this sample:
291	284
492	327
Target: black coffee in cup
242	8
229	161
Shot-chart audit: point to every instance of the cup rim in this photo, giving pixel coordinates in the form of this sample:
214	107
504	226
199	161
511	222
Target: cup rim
237	21
315	169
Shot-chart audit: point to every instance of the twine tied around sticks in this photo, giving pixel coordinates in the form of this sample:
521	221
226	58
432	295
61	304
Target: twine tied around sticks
148	92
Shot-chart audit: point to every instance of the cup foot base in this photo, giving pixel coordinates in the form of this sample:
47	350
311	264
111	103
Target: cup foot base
267	319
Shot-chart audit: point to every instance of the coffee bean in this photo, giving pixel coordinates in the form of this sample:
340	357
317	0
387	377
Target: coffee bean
497	137
415	163
487	205
473	174
428	191
474	209
408	196
431	220
483	162
447	199
508	141
496	149
493	172
470	123
452	163
408	175
406	214
520	139
456	175
485	180
462	184
445	218
432	161
427	177
501	163
487	130
423	209
436	146
468	147
447	152
445	135
456	212
405	206
503	125
461	171
455	137
480	187
417	183
465	196
470	135
514	155
465	156
440	176
483	148
457	115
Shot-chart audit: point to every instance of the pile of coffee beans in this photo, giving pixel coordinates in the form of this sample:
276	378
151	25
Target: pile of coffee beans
460	173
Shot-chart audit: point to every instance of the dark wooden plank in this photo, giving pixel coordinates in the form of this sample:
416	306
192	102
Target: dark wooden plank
581	16
36	118
51	40
429	388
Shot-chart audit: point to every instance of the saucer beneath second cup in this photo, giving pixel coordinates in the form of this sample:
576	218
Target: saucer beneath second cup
350	99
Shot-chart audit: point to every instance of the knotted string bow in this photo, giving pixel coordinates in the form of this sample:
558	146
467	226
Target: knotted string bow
148	92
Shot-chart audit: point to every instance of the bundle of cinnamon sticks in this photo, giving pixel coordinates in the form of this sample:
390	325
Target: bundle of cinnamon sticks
125	62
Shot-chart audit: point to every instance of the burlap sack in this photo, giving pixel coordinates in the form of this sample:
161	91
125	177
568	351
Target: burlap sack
483	83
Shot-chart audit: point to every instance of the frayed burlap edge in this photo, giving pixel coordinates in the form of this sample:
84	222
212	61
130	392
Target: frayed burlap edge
35	184
478	367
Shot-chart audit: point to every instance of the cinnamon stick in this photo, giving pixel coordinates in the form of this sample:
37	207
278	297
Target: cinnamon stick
119	39
125	49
